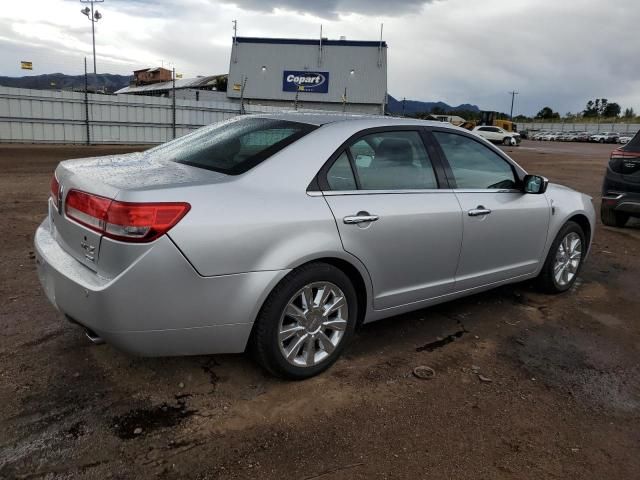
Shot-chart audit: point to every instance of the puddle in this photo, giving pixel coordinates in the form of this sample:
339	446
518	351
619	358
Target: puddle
160	416
431	346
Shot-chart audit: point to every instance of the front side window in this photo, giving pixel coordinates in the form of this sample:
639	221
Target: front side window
393	160
232	147
475	165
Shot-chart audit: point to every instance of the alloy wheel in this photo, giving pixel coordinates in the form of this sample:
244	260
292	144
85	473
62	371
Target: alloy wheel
313	324
568	258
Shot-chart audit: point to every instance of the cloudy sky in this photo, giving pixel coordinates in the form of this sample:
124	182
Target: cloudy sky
554	52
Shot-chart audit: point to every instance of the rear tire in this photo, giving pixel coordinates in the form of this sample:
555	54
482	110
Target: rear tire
560	269
602	140
611	218
318	340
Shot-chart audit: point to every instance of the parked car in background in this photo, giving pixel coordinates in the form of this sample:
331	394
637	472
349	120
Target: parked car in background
605	137
582	137
621	185
624	139
287	231
551	136
498	135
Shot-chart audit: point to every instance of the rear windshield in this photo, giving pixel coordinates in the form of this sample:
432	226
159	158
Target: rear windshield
634	144
235	146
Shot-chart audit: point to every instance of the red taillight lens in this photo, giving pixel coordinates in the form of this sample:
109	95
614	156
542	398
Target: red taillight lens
55	189
129	222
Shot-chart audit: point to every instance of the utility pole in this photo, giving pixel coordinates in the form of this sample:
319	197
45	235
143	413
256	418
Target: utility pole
404	99
173	96
235	41
513	97
86	103
93	17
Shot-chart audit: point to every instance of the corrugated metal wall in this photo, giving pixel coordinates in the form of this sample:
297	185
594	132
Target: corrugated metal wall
42	116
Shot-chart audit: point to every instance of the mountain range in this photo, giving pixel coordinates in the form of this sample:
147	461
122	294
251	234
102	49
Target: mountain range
60	81
110	83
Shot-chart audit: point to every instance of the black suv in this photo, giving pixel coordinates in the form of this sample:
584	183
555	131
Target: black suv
621	186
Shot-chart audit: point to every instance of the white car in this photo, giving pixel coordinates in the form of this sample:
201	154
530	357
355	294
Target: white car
625	139
498	135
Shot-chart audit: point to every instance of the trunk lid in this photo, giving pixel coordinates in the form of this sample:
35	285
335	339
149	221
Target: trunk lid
111	177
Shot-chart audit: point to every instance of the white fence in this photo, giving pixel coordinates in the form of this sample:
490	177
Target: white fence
630	128
43	116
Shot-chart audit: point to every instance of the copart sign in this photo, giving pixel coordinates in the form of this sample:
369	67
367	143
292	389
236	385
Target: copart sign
314	82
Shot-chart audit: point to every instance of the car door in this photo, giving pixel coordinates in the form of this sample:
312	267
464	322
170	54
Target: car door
395	212
505	230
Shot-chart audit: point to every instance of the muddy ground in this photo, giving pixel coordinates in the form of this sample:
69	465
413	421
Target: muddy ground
563	400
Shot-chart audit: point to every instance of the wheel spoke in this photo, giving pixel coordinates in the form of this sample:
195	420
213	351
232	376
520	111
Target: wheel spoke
338	302
295	313
310	351
307	298
289	332
295	347
325	343
322	296
559	274
337	324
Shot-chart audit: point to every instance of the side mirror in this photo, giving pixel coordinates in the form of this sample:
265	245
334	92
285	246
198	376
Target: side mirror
536	184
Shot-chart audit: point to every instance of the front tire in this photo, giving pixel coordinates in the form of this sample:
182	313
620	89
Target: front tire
564	260
611	218
506	141
306	322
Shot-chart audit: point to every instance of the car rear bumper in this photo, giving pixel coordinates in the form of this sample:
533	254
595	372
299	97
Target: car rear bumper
159	305
623	202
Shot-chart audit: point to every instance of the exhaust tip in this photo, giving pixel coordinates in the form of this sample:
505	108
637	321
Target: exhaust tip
93	336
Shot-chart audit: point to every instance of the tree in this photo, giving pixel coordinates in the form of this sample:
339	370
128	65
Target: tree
611	110
597	108
547	113
629	113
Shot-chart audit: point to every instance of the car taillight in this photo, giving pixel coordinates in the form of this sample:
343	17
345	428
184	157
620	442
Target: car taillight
55	190
126	221
625	163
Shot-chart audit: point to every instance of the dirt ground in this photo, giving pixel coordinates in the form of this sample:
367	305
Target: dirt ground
563	400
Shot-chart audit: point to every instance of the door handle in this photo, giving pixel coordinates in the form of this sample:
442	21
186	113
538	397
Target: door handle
360	218
479	210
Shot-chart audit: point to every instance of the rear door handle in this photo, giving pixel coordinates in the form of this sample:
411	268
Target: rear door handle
360	218
479	210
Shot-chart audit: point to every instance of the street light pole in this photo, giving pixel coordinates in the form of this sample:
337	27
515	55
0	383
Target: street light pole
513	96
93	17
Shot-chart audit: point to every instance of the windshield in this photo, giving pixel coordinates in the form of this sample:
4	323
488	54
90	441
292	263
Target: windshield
235	146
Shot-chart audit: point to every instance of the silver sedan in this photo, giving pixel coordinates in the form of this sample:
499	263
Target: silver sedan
285	232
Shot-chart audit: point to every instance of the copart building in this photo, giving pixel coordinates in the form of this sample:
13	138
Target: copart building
317	74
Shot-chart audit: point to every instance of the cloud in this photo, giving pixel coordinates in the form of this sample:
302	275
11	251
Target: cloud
559	54
333	8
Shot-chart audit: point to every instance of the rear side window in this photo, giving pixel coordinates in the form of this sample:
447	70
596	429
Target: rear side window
233	147
394	160
474	165
340	176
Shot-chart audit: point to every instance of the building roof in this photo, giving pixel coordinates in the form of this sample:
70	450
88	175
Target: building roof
309	41
198	82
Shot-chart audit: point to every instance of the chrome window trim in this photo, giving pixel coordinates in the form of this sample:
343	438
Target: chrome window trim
332	193
487	190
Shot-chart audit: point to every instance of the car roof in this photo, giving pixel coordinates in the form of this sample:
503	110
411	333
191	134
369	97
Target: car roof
314	118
